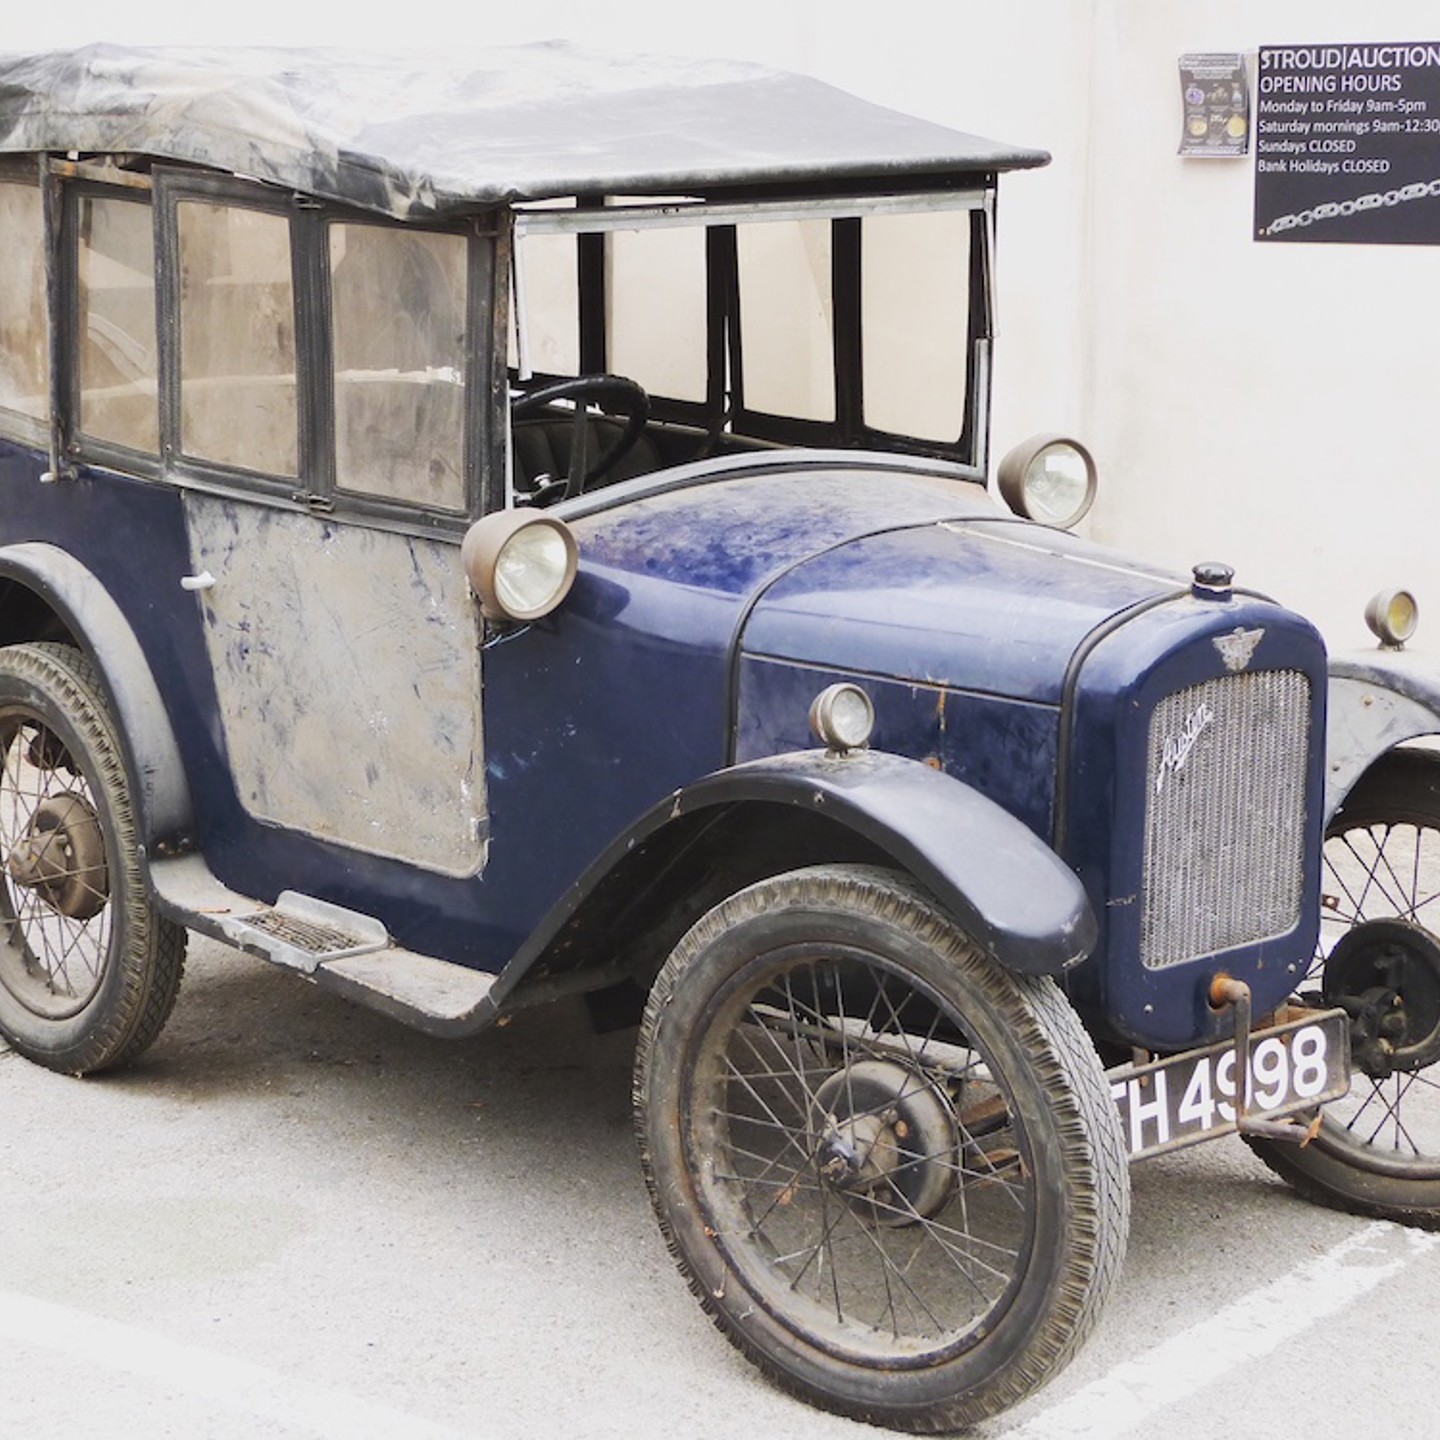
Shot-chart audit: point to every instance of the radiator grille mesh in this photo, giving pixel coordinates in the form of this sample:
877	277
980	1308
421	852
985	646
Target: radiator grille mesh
1225	823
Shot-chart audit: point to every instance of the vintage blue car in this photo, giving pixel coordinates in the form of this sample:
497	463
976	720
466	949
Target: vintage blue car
480	536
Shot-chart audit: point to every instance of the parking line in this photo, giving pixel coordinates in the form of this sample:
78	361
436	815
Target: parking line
237	1386
1258	1323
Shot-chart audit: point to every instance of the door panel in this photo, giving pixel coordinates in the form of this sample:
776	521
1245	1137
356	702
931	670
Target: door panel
347	662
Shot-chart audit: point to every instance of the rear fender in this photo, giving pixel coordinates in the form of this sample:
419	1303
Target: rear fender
99	627
1378	699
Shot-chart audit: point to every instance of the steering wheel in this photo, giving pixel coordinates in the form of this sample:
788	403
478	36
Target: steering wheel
611	394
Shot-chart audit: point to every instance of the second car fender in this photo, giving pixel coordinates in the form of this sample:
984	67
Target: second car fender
1377	700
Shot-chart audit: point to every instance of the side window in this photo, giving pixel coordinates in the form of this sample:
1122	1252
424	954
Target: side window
915	322
787	319
116	303
398	311
238	403
24	334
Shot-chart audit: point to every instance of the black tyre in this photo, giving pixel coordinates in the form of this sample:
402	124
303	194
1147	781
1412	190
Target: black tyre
88	969
890	1170
1377	1151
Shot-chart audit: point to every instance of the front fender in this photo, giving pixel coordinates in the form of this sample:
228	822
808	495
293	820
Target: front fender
1377	700
1006	888
90	614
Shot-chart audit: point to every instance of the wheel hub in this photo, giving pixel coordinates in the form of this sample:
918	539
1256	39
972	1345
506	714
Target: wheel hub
887	1141
1385	974
61	857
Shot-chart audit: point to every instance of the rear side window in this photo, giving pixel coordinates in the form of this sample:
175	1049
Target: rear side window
119	367
24	336
238	394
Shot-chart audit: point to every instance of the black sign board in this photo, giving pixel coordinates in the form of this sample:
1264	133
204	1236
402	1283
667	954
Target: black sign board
1347	144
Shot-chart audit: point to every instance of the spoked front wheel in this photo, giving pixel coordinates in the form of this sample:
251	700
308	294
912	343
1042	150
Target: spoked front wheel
891	1170
1377	1151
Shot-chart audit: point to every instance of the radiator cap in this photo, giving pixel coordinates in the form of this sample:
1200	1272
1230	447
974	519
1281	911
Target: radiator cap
1213	580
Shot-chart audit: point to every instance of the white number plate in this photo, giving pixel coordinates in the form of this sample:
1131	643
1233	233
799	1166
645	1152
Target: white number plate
1191	1097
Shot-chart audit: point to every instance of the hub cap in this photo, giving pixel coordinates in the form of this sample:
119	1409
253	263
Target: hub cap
1386	975
62	857
886	1141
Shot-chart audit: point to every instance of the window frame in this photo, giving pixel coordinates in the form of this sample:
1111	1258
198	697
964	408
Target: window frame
975	415
74	185
591	218
849	429
37	431
315	488
473	411
592	221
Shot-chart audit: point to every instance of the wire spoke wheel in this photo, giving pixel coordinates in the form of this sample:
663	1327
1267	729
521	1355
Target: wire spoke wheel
55	902
858	1193
88	971
890	1169
1377	1151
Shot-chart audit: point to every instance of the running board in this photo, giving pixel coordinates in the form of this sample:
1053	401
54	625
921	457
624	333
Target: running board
435	996
335	948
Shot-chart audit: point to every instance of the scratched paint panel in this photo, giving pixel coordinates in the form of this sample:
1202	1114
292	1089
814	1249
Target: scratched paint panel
347	665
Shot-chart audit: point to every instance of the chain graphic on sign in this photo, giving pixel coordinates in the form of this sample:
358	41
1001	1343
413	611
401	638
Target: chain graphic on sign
1342	209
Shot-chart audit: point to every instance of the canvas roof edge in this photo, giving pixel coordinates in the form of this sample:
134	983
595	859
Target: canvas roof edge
412	137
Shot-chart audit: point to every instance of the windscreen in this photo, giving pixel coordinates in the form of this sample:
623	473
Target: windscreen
803	325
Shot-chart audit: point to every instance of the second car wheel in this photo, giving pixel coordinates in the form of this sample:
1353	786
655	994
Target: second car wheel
890	1169
1377	1150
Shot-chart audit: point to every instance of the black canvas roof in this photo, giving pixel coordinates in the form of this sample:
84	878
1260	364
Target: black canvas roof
405	138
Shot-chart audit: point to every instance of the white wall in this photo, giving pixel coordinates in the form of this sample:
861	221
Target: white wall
1263	404
1266	404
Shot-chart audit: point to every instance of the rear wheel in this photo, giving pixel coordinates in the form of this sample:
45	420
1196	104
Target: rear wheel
88	969
890	1170
1377	1151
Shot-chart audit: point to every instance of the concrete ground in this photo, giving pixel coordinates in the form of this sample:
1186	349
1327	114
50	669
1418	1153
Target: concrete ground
297	1219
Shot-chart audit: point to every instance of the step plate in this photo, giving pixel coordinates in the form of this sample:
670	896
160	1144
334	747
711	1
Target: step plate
321	941
302	932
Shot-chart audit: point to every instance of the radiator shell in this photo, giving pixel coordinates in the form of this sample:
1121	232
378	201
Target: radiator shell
1208	861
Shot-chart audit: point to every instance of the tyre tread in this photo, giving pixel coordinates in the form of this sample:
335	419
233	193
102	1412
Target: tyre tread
1090	1134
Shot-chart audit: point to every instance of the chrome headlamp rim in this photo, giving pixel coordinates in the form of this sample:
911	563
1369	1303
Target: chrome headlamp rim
1016	478
493	540
842	717
1393	616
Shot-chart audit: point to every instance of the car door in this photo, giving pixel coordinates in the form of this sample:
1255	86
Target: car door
318	418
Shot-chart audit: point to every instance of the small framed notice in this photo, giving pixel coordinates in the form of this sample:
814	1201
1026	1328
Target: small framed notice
1215	106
